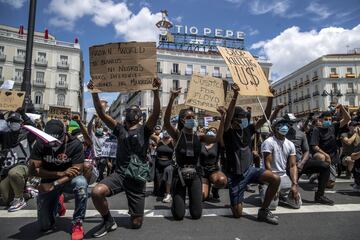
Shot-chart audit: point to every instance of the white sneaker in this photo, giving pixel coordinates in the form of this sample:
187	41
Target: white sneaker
167	198
17	204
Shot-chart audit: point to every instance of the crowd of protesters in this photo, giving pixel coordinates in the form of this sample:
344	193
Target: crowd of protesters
179	157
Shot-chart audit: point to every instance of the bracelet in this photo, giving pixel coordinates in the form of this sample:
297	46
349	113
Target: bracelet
55	183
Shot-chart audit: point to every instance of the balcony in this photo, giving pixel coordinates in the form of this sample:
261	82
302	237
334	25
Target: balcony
175	72
350	91
63	65
295	86
61	85
315	78
19	59
334	75
2	57
301	84
41	62
316	93
217	75
307	82
39	106
307	96
350	75
39	83
188	73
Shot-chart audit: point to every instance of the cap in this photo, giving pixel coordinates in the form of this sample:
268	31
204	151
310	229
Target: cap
55	128
290	117
239	111
14	117
277	121
72	126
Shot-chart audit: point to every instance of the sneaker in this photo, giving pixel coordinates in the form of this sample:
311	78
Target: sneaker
17	204
104	228
313	179
77	232
356	187
323	200
62	208
265	215
167	198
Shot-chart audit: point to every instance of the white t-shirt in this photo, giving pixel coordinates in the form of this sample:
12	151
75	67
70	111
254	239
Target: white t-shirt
280	150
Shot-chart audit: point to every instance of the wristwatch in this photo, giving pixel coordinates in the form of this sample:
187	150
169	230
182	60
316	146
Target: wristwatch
55	183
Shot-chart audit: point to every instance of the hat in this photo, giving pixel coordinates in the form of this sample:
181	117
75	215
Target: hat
55	128
290	117
277	121
239	111
72	126
14	117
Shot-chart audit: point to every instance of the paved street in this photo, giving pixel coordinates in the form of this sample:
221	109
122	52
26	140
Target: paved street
312	221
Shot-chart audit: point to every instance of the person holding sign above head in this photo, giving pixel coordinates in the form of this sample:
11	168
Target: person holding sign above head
132	170
239	164
187	172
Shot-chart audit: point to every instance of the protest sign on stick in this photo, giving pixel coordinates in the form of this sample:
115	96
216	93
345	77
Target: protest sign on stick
246	72
123	67
11	100
248	101
205	93
62	113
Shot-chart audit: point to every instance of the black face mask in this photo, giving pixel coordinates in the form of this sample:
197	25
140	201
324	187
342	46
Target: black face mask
132	116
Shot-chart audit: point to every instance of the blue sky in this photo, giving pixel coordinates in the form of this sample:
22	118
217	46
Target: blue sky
289	33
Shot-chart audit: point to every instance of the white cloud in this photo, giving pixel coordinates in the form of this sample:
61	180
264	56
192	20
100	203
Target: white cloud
293	49
253	32
320	10
178	19
277	7
131	26
14	3
237	2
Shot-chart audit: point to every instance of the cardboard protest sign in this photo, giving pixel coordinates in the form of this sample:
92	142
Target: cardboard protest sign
246	72
205	93
214	124
59	112
175	109
11	100
122	67
248	101
109	149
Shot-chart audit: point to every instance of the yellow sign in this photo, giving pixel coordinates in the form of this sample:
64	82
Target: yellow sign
59	113
246	72
122	67
11	100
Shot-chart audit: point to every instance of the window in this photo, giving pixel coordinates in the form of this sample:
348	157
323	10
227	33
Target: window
61	100
158	69
296	95
302	94
308	105
333	70
21	53
41	56
175	84
38	98
315	74
351	85
40	77
308	91
64	59
334	86
295	83
216	72
203	70
62	79
352	101
316	88
0	72
297	108
1	50
317	104
18	75
349	70
189	69
307	77
175	68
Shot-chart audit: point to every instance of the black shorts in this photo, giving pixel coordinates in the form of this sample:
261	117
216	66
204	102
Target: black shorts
134	190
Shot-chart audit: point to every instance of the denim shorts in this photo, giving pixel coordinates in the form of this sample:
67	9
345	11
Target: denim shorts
238	183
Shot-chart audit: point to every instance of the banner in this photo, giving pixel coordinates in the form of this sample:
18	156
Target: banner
206	93
246	72
59	113
11	100
123	67
248	101
109	149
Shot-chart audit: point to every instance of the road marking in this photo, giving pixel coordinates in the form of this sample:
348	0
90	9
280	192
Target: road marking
342	191
149	213
338	180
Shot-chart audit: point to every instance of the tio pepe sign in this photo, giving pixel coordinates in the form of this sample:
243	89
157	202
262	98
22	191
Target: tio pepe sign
217	32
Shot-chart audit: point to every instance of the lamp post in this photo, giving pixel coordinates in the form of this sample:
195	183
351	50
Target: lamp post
26	84
332	94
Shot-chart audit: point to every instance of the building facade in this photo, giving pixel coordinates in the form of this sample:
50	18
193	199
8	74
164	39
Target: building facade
333	78
175	68
57	69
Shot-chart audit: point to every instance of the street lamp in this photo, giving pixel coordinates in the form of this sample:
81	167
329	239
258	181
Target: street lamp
332	94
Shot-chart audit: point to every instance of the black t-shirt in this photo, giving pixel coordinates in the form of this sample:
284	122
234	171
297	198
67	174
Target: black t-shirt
209	157
134	141
164	151
61	159
182	153
238	149
299	139
325	138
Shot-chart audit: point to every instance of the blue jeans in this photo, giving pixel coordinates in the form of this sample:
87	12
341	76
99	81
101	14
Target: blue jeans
47	202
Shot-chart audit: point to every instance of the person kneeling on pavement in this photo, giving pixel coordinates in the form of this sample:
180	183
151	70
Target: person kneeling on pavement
15	145
60	168
279	153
